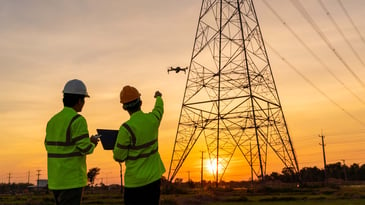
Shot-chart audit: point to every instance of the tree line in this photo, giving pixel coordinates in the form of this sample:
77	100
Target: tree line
354	172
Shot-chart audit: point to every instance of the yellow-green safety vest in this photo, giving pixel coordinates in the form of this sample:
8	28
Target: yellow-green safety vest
67	143
137	146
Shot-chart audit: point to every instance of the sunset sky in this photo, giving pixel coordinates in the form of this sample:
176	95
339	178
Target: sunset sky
109	44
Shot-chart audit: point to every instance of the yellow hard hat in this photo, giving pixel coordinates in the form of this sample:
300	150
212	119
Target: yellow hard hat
128	94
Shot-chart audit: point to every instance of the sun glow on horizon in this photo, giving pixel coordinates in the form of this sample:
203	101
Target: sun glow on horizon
211	166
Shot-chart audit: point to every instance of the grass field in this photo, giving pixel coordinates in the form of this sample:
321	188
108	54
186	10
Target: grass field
311	202
343	195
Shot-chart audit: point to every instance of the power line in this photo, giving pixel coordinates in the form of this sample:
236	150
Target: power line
312	53
315	87
305	14
352	22
340	31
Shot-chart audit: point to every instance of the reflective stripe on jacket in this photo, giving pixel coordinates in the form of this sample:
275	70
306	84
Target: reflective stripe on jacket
67	142
137	145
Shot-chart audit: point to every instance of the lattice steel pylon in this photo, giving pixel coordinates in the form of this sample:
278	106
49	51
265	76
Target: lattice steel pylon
230	96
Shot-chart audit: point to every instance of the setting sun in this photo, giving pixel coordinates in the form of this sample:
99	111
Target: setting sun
211	166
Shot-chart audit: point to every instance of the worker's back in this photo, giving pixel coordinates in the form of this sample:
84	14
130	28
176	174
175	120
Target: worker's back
140	133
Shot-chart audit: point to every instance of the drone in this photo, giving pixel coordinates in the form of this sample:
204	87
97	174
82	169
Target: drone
177	69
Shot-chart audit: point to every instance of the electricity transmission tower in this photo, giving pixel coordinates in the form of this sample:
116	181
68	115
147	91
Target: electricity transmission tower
230	96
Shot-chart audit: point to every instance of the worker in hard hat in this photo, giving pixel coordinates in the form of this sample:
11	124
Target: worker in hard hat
67	143
137	146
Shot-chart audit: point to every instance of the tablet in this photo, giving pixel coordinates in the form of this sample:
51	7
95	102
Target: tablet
108	138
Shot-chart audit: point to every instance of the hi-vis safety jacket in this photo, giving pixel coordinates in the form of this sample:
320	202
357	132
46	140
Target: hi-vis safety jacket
67	143
137	145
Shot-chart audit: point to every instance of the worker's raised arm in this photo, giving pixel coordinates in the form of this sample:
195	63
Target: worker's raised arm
158	108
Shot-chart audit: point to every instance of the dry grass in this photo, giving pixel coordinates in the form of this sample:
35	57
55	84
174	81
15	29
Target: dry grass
352	195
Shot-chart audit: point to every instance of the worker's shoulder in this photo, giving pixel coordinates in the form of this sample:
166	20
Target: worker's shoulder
125	125
78	118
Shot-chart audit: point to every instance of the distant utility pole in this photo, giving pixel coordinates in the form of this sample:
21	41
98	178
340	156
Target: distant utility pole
201	170
38	174
121	177
324	156
28	176
9	178
251	165
344	169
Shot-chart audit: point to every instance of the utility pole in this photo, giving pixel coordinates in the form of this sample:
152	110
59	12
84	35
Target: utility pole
9	178
251	165
28	176
344	169
201	171
324	156
121	177
38	174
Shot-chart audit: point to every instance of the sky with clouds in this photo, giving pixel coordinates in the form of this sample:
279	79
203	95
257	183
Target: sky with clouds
109	44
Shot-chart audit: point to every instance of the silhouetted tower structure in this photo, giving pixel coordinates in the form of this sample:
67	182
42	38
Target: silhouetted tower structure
230	96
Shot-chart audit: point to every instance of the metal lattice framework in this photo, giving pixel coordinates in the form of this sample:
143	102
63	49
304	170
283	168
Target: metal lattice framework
230	97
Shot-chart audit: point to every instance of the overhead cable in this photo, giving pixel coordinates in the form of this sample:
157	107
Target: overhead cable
315	87
305	14
352	22
341	32
312	53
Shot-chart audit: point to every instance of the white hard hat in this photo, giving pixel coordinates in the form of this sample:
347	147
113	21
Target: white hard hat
75	86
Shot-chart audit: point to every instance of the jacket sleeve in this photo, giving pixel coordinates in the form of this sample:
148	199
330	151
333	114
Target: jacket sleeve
80	136
121	148
158	109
